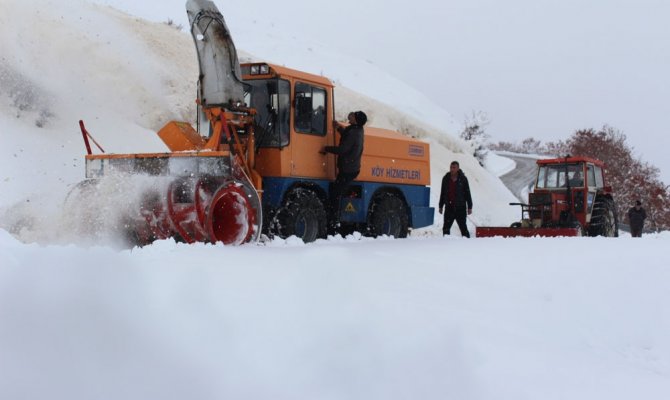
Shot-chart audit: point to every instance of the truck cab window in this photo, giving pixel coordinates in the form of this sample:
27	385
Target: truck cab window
541	177
310	109
271	99
555	176
600	182
576	175
591	176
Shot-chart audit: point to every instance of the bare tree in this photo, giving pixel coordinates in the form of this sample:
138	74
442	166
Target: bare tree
474	132
170	22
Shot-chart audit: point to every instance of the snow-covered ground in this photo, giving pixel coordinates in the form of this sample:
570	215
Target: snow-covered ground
344	318
430	318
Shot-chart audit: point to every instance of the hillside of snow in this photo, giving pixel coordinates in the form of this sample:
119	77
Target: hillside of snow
344	318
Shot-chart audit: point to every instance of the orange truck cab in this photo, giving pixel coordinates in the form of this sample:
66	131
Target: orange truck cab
293	123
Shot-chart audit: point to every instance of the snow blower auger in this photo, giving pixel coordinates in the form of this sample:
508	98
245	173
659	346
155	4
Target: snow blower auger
206	189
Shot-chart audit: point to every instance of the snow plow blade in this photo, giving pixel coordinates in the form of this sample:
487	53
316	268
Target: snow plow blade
509	232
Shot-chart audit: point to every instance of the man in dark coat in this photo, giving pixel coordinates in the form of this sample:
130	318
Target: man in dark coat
636	217
349	153
455	199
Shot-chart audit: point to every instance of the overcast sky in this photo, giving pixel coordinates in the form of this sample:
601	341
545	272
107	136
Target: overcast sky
537	67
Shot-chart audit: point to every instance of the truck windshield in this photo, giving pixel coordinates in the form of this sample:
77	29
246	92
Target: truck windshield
272	100
554	176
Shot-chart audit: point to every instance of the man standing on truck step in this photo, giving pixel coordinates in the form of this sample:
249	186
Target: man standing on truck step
455	197
349	153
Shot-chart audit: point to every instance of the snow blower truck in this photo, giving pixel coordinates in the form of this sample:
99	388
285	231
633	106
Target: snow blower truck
253	163
570	198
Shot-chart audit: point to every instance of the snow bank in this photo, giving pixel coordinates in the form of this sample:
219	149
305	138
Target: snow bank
498	165
346	318
68	60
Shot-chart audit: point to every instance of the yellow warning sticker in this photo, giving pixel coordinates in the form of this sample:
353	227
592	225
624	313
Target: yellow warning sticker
350	208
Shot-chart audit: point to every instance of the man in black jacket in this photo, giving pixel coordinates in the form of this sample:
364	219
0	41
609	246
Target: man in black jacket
636	217
455	197
349	153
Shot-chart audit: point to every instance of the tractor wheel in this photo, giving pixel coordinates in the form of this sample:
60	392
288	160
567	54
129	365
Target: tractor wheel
604	219
302	215
388	216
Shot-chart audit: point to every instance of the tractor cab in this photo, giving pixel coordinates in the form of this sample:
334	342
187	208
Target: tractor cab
566	189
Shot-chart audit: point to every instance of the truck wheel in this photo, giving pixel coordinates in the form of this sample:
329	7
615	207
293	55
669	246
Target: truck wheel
302	215
388	216
604	219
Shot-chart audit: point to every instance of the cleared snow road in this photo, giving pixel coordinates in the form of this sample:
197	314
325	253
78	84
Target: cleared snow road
520	179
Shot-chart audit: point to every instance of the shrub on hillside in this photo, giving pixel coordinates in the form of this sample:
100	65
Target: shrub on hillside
474	133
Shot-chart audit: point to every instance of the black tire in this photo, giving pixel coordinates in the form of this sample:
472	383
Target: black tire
515	225
302	215
604	221
388	216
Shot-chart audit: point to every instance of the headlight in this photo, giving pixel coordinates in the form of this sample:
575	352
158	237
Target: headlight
265	69
255	69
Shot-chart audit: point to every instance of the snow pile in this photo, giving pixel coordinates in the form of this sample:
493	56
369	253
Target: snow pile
497	164
77	58
352	318
65	61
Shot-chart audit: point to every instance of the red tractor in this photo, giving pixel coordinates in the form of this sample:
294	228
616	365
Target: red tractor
571	198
